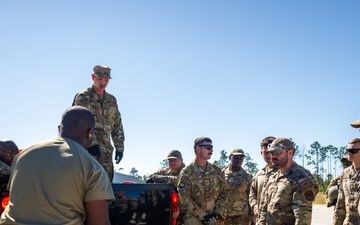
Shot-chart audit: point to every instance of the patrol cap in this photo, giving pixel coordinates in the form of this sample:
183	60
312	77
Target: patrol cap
101	70
280	144
356	124
237	151
174	154
201	140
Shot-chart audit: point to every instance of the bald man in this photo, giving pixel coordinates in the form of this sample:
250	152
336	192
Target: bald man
57	181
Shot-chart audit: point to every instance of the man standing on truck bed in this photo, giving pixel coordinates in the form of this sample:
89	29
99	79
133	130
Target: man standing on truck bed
57	181
202	188
108	124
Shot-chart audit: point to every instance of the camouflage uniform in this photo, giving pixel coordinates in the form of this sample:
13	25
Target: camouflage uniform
347	209
202	192
258	182
238	203
333	182
288	198
164	175
4	170
107	124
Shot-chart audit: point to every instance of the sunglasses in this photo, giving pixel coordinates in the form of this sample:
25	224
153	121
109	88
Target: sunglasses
346	163
208	147
353	150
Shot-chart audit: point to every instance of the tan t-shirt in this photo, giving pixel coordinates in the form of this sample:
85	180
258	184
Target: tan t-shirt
50	182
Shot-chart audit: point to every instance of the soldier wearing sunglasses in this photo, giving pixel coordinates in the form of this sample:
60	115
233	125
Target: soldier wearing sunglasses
331	192
290	191
347	209
202	188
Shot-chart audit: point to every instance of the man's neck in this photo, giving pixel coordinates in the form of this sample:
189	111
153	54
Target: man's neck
201	162
235	168
356	165
286	167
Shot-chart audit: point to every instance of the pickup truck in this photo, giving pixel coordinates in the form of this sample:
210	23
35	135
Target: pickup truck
138	204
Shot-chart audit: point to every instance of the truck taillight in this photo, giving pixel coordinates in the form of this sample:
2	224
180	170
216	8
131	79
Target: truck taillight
174	207
5	198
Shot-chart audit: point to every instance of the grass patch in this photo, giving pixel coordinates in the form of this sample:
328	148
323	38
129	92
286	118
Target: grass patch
320	198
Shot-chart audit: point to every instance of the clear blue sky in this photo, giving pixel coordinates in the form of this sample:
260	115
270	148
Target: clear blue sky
234	70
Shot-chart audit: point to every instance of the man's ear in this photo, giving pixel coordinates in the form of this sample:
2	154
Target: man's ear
92	76
90	133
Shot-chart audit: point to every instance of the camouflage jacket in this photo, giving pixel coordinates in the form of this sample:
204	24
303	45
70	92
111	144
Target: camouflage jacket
164	175
107	119
202	192
333	182
347	209
4	169
258	182
288	198
239	188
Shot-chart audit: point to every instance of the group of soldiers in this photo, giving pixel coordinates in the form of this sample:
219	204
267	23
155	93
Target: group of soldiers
280	193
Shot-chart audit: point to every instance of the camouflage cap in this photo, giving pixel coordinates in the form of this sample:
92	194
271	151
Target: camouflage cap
201	140
280	144
174	154
101	70
356	124
237	151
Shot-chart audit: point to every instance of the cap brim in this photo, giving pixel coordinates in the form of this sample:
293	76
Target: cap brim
356	124
238	154
102	75
172	157
275	150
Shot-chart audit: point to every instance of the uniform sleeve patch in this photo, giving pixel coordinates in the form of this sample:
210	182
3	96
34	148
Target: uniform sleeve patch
306	184
309	195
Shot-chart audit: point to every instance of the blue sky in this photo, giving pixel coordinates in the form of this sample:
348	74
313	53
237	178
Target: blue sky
234	70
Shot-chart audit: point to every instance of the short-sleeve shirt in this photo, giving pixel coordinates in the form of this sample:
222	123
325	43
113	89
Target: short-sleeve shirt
50	183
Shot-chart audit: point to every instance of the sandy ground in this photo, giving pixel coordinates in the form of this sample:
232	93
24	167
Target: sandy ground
322	215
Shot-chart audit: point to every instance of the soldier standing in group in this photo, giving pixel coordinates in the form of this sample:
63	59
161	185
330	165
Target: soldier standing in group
8	150
331	192
261	177
290	191
239	181
108	124
347	209
202	188
171	175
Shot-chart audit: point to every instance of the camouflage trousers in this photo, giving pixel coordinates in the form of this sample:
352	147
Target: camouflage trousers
106	161
237	220
191	220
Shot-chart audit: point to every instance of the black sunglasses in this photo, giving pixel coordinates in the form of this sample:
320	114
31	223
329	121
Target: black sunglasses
208	147
353	150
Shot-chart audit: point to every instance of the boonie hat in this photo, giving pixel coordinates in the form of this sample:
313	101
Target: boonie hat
101	70
237	151
174	154
280	144
356	124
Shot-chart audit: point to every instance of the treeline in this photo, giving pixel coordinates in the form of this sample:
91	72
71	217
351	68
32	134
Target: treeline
322	161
